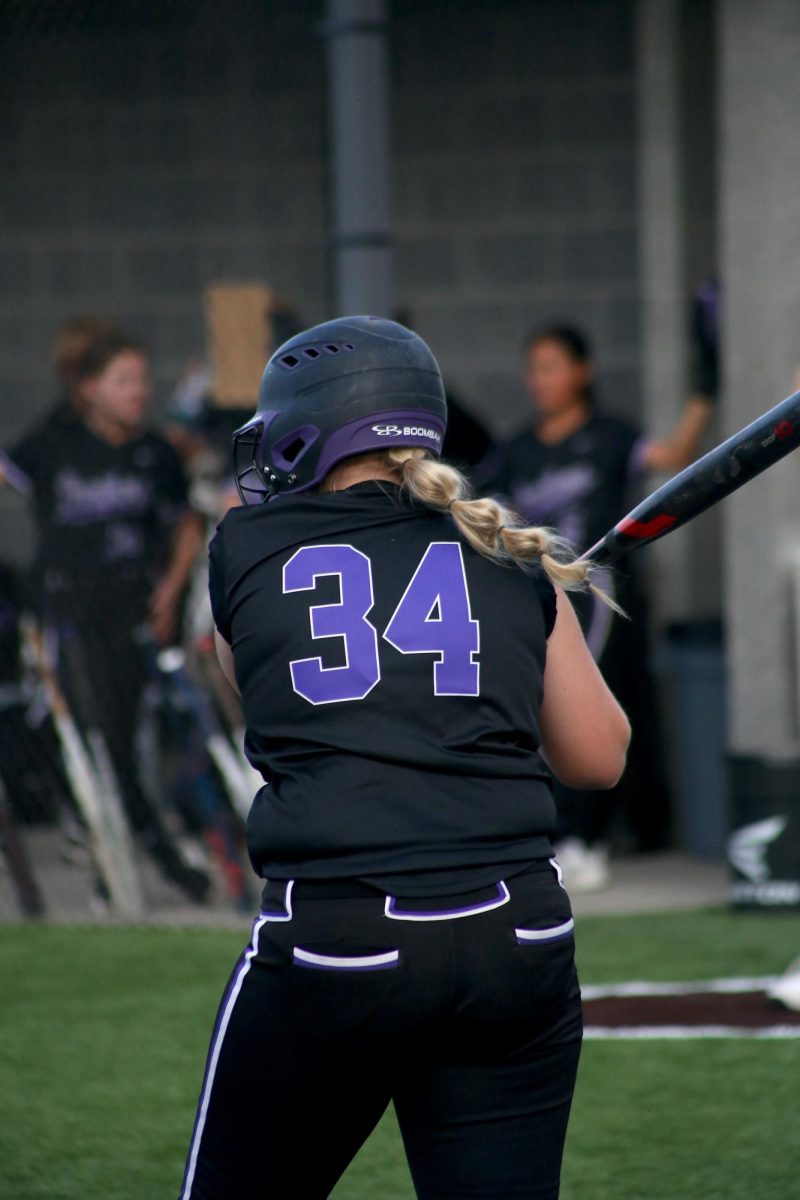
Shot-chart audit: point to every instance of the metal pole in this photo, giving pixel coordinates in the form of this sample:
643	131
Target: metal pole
358	107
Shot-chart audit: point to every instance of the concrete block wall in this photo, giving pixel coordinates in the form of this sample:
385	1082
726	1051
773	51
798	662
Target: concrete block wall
148	149
515	187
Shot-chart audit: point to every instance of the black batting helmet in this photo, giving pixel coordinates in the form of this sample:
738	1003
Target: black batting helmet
342	388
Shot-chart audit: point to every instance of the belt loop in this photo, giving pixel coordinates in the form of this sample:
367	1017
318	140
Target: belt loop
285	901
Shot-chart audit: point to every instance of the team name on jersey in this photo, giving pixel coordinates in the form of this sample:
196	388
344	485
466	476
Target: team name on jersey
407	431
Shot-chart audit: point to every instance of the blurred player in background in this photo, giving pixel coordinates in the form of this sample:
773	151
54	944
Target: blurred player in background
116	541
388	635
574	468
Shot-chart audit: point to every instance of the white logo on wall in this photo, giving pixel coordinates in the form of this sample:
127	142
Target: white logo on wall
407	431
747	848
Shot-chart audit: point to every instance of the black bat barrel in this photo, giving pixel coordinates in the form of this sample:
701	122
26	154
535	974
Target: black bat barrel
698	487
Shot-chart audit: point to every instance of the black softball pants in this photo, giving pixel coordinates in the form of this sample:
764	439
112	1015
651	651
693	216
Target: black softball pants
464	1011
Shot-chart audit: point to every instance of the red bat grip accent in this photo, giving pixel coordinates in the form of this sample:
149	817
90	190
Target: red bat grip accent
645	529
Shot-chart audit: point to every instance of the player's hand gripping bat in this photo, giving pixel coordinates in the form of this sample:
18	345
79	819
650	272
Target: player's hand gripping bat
714	476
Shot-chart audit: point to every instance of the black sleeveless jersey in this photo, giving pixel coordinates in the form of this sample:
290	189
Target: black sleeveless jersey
391	679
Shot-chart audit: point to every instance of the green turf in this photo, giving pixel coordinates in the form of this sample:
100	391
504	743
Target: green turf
697	945
713	1120
103	1033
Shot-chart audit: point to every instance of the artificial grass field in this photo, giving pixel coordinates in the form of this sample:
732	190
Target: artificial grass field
103	1033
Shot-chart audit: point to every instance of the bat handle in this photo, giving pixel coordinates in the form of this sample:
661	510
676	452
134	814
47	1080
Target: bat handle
604	552
627	534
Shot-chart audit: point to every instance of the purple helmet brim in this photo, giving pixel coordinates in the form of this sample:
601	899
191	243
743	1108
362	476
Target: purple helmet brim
261	473
382	431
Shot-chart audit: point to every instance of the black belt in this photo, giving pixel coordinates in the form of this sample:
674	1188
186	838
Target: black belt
323	889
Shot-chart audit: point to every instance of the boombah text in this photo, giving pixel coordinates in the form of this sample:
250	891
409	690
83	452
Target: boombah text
407	431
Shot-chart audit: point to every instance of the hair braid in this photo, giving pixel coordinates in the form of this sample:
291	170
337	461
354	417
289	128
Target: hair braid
489	527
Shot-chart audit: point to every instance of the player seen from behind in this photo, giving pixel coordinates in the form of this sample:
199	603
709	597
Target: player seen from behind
410	671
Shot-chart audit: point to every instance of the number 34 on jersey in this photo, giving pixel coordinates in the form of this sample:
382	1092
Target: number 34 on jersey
432	617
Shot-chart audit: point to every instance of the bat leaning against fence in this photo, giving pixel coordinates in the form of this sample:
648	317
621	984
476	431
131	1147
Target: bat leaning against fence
233	718
236	774
93	790
713	477
27	890
178	718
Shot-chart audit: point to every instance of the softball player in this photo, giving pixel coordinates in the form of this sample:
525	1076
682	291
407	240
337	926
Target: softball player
388	636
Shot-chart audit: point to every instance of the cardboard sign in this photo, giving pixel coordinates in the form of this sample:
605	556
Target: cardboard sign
238	325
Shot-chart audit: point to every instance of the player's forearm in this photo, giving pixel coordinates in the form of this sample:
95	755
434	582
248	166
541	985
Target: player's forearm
188	541
225	660
683	446
584	731
14	476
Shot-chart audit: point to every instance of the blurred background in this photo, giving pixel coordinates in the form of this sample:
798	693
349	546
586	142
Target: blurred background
210	178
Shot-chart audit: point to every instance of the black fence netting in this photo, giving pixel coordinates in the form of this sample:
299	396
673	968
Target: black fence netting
160	226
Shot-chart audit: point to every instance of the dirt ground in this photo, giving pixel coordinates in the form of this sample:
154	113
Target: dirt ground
743	1010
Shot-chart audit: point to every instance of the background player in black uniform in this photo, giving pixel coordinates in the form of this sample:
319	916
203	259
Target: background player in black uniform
575	468
389	639
115	542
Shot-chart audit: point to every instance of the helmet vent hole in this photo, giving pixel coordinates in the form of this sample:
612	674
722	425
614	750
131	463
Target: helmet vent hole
331	349
290	361
289	453
348	346
310	352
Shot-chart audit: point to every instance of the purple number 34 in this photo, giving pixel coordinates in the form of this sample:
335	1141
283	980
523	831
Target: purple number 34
433	617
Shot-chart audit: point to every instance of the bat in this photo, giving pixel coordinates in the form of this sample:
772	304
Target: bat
19	864
174	697
98	802
230	708
237	781
713	477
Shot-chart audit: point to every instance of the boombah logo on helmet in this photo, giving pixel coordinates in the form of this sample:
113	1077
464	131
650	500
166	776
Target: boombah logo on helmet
397	431
339	389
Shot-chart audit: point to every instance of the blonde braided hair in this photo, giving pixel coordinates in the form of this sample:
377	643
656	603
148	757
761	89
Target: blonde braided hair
489	527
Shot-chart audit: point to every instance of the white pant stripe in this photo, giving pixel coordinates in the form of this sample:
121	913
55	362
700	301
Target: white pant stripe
214	1058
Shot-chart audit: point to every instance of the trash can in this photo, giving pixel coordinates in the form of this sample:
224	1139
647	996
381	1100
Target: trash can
764	843
693	663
